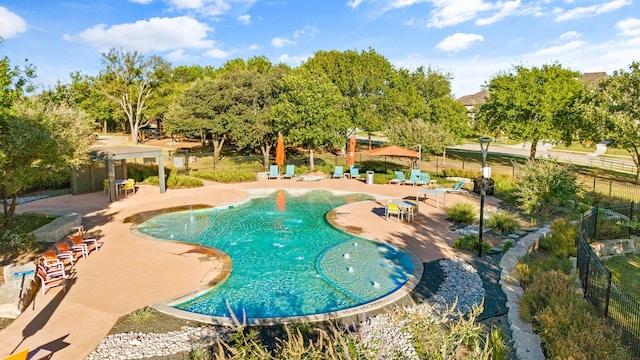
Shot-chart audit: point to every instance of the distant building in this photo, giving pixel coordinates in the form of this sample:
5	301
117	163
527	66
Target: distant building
593	78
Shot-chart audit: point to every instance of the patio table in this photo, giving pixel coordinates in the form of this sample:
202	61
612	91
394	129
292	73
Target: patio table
437	193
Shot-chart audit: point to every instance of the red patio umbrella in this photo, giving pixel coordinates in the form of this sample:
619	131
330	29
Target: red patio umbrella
352	151
280	150
394	151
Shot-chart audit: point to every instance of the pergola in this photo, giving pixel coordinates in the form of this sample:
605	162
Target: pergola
111	154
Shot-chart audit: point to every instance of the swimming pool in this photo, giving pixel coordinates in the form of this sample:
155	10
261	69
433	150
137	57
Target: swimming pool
288	261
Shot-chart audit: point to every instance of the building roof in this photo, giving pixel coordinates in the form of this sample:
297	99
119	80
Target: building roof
593	78
474	99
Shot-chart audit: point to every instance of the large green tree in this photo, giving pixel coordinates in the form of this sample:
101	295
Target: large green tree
135	82
310	112
39	140
530	104
610	110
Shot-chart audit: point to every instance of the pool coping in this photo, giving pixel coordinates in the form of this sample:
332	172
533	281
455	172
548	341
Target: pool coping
167	306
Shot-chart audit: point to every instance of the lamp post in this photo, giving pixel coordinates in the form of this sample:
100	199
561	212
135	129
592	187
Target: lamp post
486	173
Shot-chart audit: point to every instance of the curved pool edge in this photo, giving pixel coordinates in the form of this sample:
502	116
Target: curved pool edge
168	306
375	305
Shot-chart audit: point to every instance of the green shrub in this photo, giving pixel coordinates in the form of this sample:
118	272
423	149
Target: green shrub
143	315
470	243
544	186
503	222
462	213
561	241
504	189
140	172
227	177
547	288
183	181
532	265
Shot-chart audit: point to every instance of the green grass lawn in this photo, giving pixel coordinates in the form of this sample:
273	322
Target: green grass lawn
575	147
626	271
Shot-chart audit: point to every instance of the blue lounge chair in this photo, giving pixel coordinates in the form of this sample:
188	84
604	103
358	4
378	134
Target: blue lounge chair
354	173
414	177
338	173
274	173
453	189
290	172
425	179
399	178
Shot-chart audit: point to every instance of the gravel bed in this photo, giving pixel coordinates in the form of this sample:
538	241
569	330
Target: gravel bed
461	285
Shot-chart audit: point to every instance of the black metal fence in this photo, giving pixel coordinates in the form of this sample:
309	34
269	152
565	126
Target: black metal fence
608	297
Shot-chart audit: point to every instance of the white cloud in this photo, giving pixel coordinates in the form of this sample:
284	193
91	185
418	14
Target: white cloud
629	27
144	2
254	47
177	55
354	3
452	12
245	19
308	31
561	49
280	42
504	9
590	11
570	35
459	41
155	34
11	24
292	60
216	53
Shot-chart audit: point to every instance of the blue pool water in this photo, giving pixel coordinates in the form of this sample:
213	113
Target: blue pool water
287	259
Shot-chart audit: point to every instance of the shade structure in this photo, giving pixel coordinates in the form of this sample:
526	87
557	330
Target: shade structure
352	150
394	150
280	150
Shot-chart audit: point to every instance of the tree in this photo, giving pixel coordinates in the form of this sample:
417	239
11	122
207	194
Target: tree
39	140
132	81
311	112
530	104
611	110
432	137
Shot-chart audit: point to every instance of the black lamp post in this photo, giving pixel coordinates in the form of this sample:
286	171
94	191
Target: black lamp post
486	173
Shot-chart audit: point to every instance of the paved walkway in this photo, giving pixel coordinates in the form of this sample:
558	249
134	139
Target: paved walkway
131	272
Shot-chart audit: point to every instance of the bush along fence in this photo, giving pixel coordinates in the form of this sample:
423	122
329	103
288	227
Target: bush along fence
608	297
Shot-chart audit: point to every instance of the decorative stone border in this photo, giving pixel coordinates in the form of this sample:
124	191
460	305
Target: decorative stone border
526	342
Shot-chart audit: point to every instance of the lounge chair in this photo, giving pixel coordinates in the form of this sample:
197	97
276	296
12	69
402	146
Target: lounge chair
64	250
425	179
399	178
50	280
338	173
413	178
456	188
80	231
354	172
274	173
290	172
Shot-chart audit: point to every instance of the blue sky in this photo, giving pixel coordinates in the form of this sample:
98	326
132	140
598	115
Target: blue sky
472	40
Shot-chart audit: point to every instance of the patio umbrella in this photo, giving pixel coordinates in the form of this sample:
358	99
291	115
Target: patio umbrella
394	150
280	150
352	151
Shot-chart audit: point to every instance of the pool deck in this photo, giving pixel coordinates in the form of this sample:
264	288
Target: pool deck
130	272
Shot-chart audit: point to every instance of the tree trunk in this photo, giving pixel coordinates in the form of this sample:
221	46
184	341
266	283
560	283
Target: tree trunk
266	149
311	164
534	148
217	147
369	134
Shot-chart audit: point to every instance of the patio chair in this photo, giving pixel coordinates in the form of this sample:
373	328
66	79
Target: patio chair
354	173
64	250
105	186
399	178
290	172
50	280
129	186
425	179
81	233
274	173
456	188
413	178
338	173
392	209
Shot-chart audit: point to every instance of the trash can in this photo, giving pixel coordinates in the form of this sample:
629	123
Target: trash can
488	183
369	178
